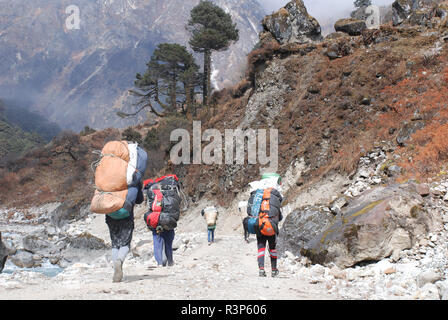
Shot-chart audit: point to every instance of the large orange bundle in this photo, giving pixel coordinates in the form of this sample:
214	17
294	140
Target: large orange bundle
118	176
108	202
111	173
111	178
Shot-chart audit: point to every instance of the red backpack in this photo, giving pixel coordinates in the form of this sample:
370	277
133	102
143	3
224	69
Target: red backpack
163	201
152	217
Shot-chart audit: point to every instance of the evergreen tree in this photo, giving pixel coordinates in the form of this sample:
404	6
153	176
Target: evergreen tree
169	80
212	30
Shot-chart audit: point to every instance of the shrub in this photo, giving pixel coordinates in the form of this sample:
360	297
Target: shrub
86	131
151	141
131	135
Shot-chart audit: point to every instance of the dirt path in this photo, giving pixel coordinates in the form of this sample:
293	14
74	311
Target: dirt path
223	271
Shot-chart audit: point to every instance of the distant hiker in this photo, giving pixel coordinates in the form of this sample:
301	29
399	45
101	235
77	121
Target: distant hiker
118	187
163	199
242	207
264	210
211	217
246	229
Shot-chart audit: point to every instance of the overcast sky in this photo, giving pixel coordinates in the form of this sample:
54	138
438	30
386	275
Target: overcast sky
318	7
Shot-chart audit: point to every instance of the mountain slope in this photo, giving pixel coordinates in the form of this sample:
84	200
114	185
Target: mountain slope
14	142
80	77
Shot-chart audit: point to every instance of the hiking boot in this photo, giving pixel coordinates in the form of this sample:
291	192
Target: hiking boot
262	273
274	273
118	271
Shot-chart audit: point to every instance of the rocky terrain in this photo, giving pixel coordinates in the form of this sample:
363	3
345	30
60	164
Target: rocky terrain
362	129
79	250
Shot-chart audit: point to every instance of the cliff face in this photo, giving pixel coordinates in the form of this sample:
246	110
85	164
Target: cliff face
79	77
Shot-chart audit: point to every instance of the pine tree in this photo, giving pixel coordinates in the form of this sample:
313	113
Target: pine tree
169	80
212	30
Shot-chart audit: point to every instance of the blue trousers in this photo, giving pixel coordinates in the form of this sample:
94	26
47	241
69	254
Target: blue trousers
211	235
163	247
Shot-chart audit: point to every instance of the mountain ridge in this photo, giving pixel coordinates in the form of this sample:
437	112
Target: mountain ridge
81	77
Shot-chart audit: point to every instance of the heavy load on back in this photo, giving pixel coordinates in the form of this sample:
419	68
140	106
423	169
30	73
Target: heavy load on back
264	206
164	202
118	174
210	214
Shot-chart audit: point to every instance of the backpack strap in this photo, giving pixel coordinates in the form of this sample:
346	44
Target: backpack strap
167	176
258	198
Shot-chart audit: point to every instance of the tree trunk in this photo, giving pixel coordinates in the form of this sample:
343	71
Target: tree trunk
173	102
207	77
188	97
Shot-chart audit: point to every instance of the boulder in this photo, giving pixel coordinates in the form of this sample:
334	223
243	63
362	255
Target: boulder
423	189
393	170
420	18
417	12
408	130
352	26
428	276
4	252
34	243
293	24
402	10
301	226
443	289
68	211
25	259
87	241
379	222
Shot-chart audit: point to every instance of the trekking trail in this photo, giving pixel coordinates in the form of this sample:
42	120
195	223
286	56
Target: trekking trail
225	270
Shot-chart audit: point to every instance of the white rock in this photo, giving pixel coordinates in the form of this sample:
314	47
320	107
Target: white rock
382	266
317	270
364	173
411	269
429	292
443	289
429	276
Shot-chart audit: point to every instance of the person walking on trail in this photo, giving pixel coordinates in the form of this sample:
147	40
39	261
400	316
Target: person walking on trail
163	200
266	200
211	217
163	247
121	231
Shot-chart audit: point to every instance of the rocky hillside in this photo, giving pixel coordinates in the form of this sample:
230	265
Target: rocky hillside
79	77
332	101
